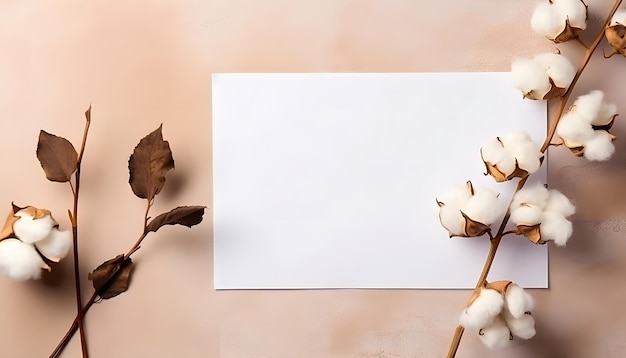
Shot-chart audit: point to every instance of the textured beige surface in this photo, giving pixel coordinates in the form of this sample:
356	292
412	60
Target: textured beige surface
143	63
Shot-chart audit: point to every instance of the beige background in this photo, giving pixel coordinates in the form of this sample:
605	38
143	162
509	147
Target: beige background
142	63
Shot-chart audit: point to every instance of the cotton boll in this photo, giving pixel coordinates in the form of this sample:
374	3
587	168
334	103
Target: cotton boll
29	230
450	209
456	196
600	147
527	75
558	68
607	112
619	17
536	194
588	106
573	10
452	220
493	151
546	21
496	335
482	311
20	261
574	130
483	206
528	156
559	203
554	227
522	327
526	215
56	245
517	300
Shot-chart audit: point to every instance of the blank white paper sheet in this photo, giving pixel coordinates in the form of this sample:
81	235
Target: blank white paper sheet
329	180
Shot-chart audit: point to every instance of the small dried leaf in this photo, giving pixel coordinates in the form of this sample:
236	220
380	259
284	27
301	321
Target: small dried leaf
57	156
148	165
112	277
182	215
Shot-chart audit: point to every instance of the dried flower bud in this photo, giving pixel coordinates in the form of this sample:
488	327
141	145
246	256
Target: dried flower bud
29	237
468	212
499	311
541	215
512	156
584	128
560	20
615	33
546	76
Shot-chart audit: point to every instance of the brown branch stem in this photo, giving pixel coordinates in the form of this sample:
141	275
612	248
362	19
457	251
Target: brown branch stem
76	324
74	220
94	297
563	100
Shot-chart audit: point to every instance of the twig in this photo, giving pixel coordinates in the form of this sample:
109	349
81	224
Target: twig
74	221
495	241
76	324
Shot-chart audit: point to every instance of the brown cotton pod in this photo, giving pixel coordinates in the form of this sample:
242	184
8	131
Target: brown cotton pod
500	286
531	232
7	229
500	176
569	33
616	36
553	92
474	228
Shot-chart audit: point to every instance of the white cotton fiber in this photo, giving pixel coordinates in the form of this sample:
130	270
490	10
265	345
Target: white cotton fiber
600	147
56	245
452	220
483	310
559	203
554	227
606	114
450	211
528	214
19	261
31	230
528	156
517	300
574	130
546	21
558	68
496	335
619	17
493	151
522	327
535	194
573	10
588	106
484	206
528	75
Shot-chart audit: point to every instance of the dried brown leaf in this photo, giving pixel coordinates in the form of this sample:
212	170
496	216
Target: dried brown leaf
148	165
57	156
112	277
182	215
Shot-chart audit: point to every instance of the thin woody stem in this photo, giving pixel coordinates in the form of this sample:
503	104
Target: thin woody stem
76	324
94	297
495	241
74	220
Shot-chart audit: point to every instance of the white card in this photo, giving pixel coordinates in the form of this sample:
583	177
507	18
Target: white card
329	180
